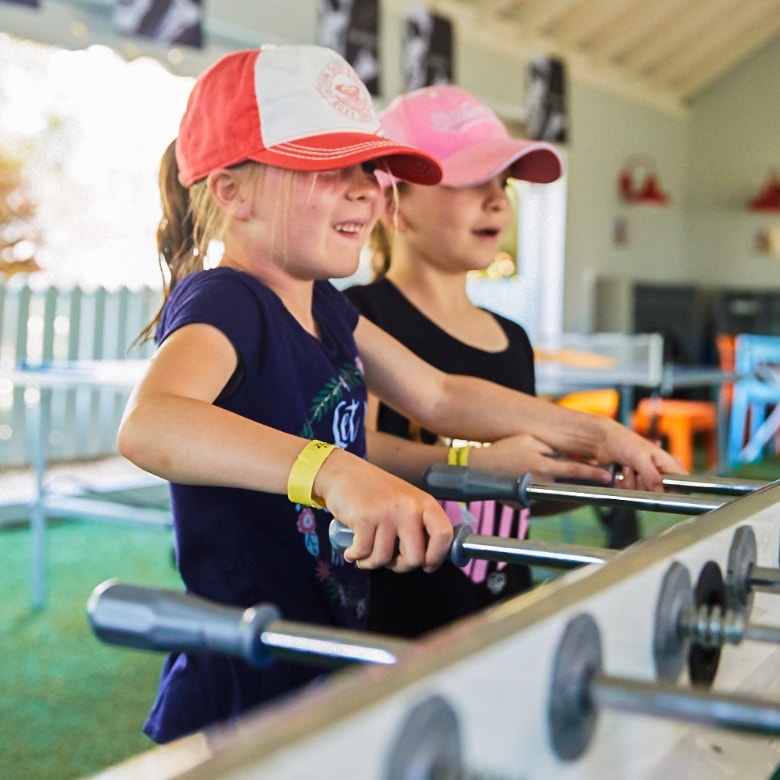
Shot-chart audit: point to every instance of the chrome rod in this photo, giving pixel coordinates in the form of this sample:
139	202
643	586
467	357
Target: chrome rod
550	554
709	626
611	497
764	578
703	483
466	484
729	711
300	641
758	632
157	619
467	545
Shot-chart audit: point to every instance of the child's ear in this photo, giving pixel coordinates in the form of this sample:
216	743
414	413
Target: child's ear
224	189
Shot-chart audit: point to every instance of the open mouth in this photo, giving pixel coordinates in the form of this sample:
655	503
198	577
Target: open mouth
349	228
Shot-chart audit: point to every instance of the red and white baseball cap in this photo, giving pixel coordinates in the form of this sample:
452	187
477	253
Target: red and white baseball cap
470	142
298	107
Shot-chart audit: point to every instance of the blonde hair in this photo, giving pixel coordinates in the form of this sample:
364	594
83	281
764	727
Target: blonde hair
380	242
191	220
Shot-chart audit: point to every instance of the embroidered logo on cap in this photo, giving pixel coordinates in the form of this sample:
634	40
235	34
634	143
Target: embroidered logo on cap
340	86
459	118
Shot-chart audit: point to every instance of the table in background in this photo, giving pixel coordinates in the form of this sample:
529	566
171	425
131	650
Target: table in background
93	374
558	379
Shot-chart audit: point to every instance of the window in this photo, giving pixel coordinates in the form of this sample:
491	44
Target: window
90	129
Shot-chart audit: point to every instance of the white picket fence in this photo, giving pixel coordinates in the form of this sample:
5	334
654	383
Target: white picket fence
42	323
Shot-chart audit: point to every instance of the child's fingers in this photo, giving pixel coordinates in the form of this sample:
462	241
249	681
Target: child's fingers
362	544
440	533
386	547
411	547
575	470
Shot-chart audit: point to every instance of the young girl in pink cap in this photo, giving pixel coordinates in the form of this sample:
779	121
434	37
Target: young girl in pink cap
424	247
253	406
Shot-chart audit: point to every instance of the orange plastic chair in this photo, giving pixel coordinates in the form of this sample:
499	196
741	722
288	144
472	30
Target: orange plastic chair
603	402
621	525
725	345
680	422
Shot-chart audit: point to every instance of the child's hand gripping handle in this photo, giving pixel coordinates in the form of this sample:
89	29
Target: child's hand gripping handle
467	545
342	537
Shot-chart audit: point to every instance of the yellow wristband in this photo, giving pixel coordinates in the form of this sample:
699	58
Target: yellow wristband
458	456
304	472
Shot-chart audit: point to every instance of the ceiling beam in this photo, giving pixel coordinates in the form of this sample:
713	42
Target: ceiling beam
540	15
583	24
720	38
628	31
751	39
680	35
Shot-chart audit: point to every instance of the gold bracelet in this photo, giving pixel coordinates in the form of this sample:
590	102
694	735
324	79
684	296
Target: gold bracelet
304	471
458	456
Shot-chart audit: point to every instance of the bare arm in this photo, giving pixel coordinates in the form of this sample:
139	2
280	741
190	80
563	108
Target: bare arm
172	428
473	409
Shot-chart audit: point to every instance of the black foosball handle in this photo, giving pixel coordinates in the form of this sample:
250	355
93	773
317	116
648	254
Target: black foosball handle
466	484
156	619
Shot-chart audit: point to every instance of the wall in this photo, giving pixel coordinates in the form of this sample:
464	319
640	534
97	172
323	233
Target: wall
734	141
606	131
711	162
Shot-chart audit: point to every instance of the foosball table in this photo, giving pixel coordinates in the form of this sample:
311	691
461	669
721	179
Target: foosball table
658	661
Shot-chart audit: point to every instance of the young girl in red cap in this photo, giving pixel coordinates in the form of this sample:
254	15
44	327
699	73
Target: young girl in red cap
253	406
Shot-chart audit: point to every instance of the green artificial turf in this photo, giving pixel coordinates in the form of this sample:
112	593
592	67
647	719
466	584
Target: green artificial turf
71	704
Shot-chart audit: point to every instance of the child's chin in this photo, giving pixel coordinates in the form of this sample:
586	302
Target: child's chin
344	270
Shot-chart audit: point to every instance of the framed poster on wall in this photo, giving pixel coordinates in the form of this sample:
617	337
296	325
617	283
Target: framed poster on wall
351	27
428	50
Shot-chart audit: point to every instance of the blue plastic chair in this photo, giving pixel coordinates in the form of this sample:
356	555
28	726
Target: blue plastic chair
757	365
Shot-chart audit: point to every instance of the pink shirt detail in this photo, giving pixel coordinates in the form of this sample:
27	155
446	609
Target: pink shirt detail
481	516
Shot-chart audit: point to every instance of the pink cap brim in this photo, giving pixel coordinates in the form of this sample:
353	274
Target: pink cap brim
535	161
339	150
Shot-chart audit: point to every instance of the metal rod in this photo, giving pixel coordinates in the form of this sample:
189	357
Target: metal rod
302	642
730	711
466	484
550	554
757	632
628	499
764	578
467	545
157	619
709	626
704	483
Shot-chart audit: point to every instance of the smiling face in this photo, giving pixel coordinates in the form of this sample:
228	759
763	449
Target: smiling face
309	225
457	229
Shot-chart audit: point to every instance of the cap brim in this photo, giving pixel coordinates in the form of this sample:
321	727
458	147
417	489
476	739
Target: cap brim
535	161
339	150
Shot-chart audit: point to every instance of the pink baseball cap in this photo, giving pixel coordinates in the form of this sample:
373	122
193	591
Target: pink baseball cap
298	107
470	142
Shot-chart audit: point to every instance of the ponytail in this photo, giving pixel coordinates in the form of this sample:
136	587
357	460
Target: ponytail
190	220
